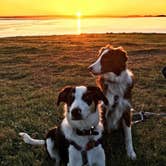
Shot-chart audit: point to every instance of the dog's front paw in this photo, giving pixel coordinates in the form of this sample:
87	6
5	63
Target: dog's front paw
25	137
132	155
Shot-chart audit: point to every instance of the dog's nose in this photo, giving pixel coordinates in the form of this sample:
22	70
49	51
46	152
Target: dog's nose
90	68
76	114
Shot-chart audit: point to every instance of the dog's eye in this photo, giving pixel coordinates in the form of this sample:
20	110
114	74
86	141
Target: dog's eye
70	99
88	99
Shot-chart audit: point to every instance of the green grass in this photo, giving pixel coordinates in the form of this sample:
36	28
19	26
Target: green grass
34	69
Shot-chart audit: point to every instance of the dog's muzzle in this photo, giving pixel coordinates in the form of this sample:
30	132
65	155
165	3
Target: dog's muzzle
76	114
90	68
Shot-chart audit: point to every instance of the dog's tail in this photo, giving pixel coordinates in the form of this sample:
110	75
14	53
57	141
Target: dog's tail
27	139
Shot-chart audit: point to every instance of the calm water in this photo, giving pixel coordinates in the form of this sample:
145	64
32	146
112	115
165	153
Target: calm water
16	27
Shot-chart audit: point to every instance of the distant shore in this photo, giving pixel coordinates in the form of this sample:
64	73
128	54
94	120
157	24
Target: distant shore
83	34
36	17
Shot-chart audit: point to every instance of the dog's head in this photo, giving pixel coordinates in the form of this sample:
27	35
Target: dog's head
81	102
109	60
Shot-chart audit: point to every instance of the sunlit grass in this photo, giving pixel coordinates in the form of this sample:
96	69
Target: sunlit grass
34	69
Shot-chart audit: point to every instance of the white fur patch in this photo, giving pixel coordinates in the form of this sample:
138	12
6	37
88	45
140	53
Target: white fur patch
118	87
120	82
78	102
96	66
113	120
128	141
50	148
27	139
95	155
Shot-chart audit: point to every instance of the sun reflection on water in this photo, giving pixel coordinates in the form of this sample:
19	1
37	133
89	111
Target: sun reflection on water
79	26
78	14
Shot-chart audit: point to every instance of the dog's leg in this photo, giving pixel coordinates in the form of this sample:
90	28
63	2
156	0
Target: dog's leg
128	141
52	152
96	156
27	139
100	159
75	158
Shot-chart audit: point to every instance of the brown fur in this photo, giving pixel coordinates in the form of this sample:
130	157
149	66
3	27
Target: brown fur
114	60
127	116
128	92
116	64
100	83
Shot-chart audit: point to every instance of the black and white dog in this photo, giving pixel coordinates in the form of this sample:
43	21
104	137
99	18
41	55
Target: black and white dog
77	141
116	82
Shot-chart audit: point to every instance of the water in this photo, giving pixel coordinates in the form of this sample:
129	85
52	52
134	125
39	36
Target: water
60	26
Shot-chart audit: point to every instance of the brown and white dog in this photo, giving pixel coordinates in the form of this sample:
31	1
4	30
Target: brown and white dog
77	141
116	82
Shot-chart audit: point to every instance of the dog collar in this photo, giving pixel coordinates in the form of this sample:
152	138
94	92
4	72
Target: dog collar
85	132
90	145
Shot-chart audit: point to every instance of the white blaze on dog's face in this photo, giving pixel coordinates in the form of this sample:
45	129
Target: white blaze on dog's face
109	60
96	66
79	109
81	102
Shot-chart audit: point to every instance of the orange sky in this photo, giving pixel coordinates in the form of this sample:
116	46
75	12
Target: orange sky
85	7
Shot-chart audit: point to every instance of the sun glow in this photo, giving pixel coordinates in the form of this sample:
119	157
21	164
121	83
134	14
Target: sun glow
78	14
79	7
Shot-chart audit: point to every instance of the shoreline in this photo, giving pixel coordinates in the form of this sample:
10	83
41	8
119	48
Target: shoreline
86	34
73	16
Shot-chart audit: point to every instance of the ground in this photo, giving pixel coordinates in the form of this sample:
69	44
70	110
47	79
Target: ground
34	69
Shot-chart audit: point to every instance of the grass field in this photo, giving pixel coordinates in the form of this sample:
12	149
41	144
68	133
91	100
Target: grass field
34	69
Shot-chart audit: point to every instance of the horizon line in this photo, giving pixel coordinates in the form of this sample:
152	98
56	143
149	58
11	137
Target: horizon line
74	16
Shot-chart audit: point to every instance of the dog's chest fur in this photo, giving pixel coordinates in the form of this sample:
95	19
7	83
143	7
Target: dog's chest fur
80	140
117	85
113	85
93	155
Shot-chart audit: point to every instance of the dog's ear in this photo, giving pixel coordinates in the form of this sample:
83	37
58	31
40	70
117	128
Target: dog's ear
98	94
123	53
63	94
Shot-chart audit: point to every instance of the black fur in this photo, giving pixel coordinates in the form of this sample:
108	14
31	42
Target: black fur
164	71
61	144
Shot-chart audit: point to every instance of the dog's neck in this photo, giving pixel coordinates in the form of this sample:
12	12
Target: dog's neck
113	84
111	77
82	135
71	133
85	132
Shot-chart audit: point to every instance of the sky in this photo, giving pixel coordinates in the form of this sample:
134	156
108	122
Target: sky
85	7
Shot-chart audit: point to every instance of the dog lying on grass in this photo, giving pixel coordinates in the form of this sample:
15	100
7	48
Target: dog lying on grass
77	141
116	82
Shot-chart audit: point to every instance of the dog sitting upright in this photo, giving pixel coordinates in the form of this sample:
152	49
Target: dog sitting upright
116	82
78	139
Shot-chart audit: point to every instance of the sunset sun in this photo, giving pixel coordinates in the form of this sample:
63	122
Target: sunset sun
78	14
